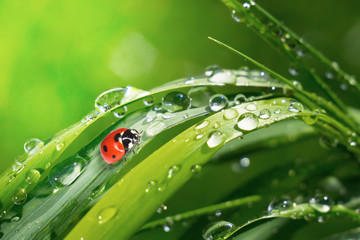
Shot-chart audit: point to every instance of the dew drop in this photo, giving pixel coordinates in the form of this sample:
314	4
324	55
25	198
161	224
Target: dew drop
17	167
223	77
200	96
218	213
277	111
245	162
59	146
218	102
310	119
106	214
120	112
296	107
172	171
265	114
196	169
151	115
150	185
149	100
210	70
297	84
246	5
161	209
167	115
202	125
230	113
328	143
236	16
154	128
293	71
32	176
166	228
216	139
19	196
251	107
90	117
240	98
96	192
248	121
33	145
66	172
175	101
278	205
109	99
218	230
321	203
329	75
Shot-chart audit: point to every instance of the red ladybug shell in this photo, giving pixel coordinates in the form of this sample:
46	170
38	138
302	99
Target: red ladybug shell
112	148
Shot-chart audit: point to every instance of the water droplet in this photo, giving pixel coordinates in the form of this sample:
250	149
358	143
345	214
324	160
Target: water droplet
33	145
15	219
155	127
151	115
66	172
218	230
173	170
90	117
17	167
296	107
343	86
109	99
230	113
162	187
329	75
236	16
310	119
150	186
321	203
245	162
175	101
202	125
278	205
200	96
149	100
96	192
33	176
223	77
196	169
293	71
20	196
166	228
120	112
265	114
216	139
167	115
248	121
161	209
210	70
218	102
246	5
106	214
218	213
59	146
251	107
328	143
217	125
190	81
240	98
11	178
297	84
277	111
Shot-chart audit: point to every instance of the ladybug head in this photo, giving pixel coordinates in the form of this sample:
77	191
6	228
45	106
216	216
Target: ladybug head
129	138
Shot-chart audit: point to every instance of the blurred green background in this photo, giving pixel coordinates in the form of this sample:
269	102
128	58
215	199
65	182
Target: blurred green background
57	56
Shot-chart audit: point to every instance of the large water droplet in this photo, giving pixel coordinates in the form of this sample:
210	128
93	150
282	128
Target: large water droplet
109	99
248	121
202	125
173	170
230	113
321	203
106	214
216	139
218	230
175	101
200	96
223	77
296	107
149	100
278	205
154	128
210	70
218	102
33	176
33	145
240	98
251	107
265	114
20	196
66	172
120	112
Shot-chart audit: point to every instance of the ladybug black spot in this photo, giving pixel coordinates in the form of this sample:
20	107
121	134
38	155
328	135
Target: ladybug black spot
117	137
105	148
113	156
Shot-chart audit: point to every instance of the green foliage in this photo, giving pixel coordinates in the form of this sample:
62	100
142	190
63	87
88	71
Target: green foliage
229	149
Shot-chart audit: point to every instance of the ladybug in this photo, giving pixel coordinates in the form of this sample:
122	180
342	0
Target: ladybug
118	143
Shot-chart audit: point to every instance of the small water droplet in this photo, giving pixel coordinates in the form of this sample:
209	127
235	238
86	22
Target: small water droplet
33	145
196	169
155	127
96	192
293	71
218	213
245	162
246	5
218	230
210	70
251	107
106	214
296	107
297	84
150	185
151	115
167	115
321	203
17	167
161	209
240	98
162	187
149	100
310	119
202	125
236	16
329	75
265	114
33	176
11	178
172	171
217	125
175	101
218	102
248	121
59	146
200	96
277	111
15	219
230	113
19	196
278	205
120	112
166	228
90	117
216	139
223	77
327	142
